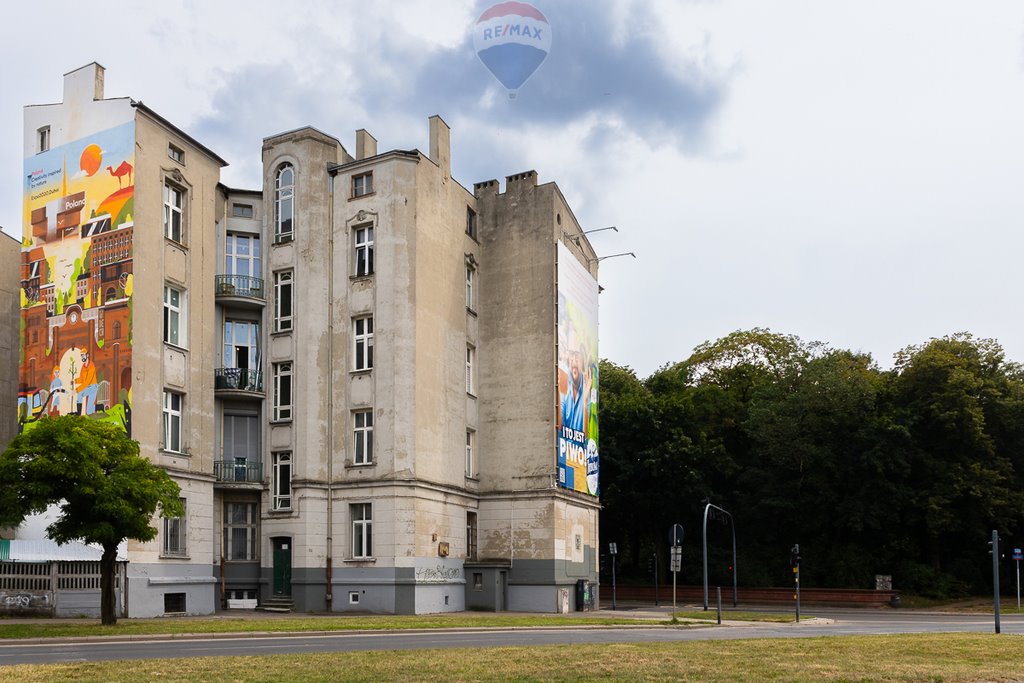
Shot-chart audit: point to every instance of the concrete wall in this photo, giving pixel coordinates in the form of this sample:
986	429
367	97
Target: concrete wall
10	306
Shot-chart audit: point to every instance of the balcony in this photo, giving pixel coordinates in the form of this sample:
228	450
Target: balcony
237	382
240	472
241	290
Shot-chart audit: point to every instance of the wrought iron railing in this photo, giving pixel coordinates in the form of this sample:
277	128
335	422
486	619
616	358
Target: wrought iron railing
243	472
240	285
238	379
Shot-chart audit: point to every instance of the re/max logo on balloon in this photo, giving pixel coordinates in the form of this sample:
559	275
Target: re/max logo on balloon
512	39
533	32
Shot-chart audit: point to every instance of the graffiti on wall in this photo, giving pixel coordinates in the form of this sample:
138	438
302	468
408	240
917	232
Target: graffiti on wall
76	279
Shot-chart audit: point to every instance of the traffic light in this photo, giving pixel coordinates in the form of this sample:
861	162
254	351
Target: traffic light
794	555
730	570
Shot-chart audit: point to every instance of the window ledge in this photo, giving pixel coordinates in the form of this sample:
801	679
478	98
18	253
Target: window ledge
283	512
473	478
359	560
176	347
283	239
175	454
470	394
279	333
176	243
364	371
362	196
165	556
367	276
359	465
471	311
284	421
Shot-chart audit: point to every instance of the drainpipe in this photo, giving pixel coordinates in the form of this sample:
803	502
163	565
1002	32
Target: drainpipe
329	595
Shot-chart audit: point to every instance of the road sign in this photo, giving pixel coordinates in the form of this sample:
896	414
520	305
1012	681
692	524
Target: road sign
677	558
675	535
1017	555
613	549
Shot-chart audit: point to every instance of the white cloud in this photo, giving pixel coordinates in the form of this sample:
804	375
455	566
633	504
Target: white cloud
842	171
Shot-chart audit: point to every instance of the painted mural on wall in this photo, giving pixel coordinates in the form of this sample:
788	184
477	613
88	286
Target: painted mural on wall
578	456
76	279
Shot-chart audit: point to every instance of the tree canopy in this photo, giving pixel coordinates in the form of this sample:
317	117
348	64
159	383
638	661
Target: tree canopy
92	470
901	472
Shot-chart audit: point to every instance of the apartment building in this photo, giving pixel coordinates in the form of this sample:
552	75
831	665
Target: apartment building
375	387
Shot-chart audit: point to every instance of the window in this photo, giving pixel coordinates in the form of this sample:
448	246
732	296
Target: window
470	460
240	536
364	250
362	530
174	603
284	203
242	210
362	437
241	346
241	446
243	255
43	137
470	281
471	535
176	153
283	301
362	341
470	358
362	184
471	222
282	391
172	421
282	486
174	321
175	536
174	202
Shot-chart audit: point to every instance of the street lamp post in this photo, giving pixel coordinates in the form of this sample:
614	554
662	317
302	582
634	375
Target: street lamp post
735	568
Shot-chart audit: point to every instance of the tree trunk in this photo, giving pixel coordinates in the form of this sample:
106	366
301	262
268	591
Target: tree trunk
108	600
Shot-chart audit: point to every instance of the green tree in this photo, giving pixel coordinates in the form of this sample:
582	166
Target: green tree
106	491
962	403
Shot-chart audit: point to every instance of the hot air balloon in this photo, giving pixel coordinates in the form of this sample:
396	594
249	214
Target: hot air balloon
512	40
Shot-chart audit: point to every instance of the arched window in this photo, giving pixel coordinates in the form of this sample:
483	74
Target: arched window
284	203
117	330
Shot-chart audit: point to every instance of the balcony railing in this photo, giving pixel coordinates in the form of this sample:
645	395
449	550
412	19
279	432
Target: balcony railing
238	379
238	472
240	285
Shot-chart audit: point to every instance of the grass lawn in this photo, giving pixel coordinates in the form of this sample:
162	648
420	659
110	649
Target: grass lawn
129	627
931	657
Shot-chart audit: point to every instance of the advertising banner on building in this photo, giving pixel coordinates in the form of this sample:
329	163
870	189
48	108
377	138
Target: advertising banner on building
76	279
578	459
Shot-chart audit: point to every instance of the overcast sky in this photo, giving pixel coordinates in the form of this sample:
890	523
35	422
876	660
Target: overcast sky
849	172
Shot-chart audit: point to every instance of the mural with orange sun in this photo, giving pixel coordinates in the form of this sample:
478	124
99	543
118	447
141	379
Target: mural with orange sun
77	279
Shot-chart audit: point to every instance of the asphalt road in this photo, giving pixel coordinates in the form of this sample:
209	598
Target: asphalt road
852	622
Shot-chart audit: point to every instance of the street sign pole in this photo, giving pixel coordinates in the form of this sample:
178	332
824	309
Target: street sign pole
1017	557
613	550
677	561
995	574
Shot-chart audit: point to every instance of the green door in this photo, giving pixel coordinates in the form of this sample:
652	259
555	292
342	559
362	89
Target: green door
282	566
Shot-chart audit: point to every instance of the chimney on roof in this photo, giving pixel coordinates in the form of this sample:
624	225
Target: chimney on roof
84	84
366	144
441	144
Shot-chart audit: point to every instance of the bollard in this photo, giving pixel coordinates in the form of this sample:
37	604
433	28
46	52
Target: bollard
718	602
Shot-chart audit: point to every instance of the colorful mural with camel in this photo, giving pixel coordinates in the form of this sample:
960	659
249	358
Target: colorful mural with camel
77	279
